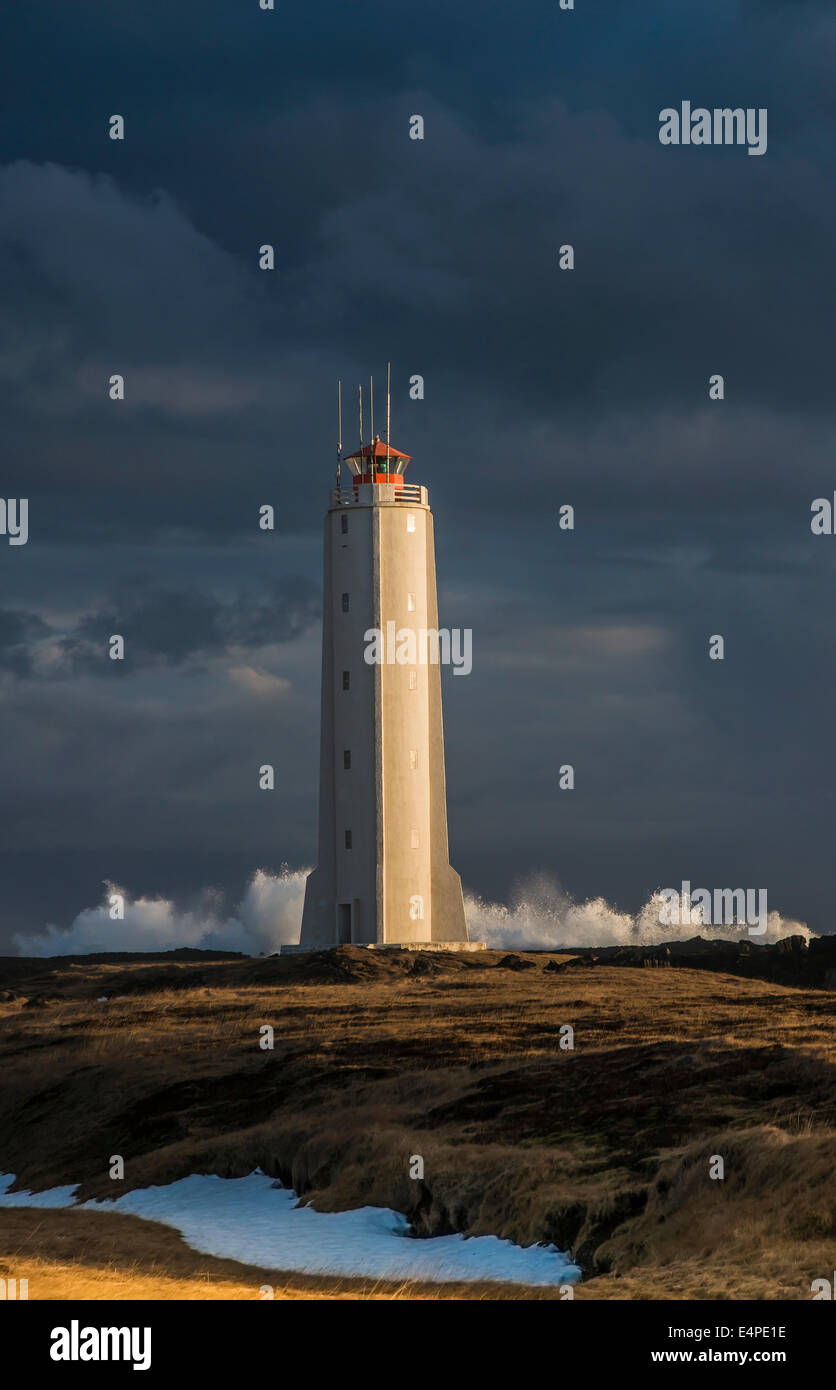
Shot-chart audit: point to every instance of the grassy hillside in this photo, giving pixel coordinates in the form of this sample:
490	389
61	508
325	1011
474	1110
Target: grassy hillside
603	1149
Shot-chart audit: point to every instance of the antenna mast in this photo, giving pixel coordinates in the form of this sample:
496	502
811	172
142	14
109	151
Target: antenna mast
339	429
388	410
371	408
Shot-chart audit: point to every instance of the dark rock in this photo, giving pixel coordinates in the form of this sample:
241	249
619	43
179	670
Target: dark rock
515	963
795	944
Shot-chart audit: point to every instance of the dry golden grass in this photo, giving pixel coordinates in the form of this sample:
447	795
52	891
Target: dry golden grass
603	1149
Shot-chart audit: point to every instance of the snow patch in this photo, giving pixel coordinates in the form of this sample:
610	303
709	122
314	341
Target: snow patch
250	1220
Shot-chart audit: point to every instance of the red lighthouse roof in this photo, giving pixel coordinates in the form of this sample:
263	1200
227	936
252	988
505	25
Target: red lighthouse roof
378	449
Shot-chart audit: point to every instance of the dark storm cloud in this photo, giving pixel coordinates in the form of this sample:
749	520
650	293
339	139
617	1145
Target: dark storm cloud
572	348
17	631
688	261
161	626
168	627
278	614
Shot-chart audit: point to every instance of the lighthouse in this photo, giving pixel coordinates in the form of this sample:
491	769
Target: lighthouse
383	875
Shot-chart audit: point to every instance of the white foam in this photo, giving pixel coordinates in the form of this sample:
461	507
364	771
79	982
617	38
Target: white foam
540	915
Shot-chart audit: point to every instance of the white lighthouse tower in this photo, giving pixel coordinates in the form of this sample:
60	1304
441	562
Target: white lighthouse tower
383	876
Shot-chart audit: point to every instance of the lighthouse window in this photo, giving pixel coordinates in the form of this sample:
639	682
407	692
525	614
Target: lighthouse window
344	525
348	839
410	603
413	758
416	841
410	521
346	680
346	758
345	603
413	680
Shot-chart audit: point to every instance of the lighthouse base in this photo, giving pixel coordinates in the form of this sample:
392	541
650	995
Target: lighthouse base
391	946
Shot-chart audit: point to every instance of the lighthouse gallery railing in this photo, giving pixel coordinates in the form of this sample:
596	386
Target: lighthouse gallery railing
409	492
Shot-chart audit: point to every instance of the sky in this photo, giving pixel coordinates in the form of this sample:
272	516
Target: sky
542	387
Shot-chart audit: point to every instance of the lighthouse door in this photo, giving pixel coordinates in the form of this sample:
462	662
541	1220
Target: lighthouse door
344	923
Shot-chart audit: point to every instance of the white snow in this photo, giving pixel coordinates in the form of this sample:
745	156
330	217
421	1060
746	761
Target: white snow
248	1219
55	1197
